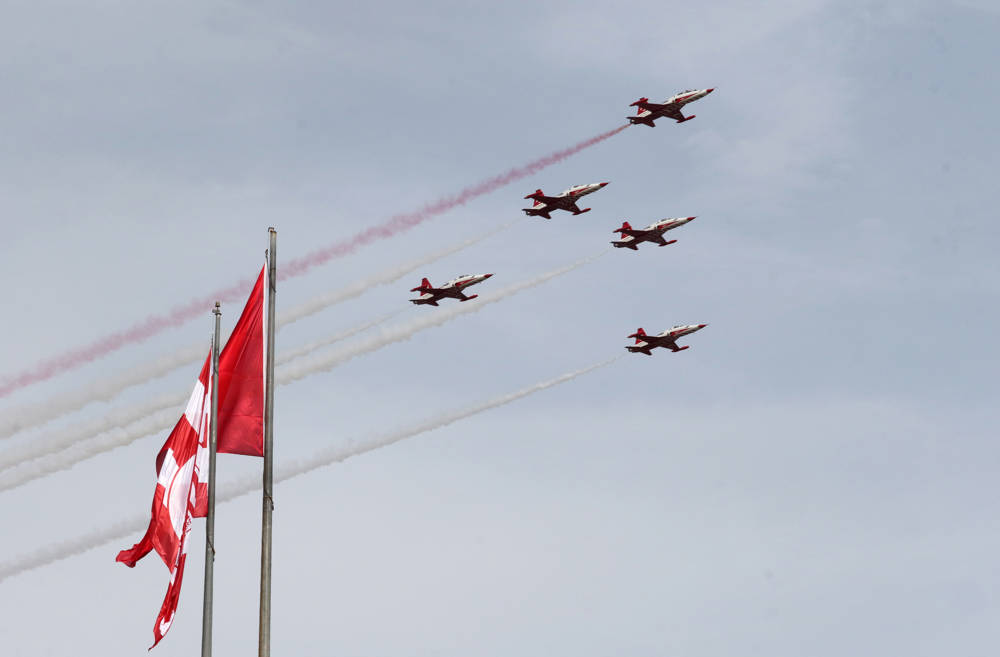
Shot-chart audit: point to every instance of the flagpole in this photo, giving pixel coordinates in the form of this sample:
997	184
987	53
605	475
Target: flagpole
206	607
264	636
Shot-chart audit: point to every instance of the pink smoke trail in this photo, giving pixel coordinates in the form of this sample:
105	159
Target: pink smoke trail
181	314
401	222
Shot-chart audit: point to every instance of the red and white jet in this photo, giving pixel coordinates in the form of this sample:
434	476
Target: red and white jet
670	108
632	237
454	289
565	201
668	339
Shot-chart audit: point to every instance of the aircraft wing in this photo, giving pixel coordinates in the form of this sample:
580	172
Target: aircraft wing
673	112
426	298
665	341
548	200
651	107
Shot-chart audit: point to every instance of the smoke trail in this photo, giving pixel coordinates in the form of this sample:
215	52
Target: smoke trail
53	460
407	220
154	324
30	415
125	528
396	334
80	451
391	275
106	433
309	347
59	440
103	389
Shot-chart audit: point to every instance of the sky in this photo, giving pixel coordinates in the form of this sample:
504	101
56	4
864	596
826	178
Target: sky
814	476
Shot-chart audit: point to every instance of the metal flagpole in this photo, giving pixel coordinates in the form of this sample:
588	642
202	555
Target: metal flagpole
264	636
206	606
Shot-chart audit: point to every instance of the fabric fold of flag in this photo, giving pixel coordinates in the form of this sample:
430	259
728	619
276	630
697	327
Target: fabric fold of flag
241	380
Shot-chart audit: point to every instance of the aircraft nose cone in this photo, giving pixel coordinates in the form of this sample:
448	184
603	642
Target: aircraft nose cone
487	275
701	326
708	91
604	184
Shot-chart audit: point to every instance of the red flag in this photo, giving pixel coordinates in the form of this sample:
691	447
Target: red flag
180	495
241	380
169	607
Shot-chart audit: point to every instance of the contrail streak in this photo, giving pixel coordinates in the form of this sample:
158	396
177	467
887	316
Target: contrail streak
59	440
288	356
320	302
21	418
66	453
123	529
154	324
106	433
396	334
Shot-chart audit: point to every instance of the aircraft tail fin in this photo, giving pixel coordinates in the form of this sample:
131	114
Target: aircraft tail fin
638	333
625	227
424	284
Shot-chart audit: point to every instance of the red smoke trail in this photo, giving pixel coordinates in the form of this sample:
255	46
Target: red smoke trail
156	323
401	222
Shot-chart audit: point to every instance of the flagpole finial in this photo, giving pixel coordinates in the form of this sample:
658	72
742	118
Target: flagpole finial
216	310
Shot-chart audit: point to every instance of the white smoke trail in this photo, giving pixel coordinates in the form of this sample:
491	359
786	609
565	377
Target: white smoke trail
287	356
27	416
52	456
75	434
318	303
102	389
396	334
233	489
108	432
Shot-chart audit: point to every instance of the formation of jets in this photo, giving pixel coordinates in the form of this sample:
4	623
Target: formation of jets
565	201
630	237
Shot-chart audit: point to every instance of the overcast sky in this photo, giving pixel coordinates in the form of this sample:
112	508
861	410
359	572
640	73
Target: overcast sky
816	475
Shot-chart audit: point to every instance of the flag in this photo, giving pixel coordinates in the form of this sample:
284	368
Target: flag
181	492
169	607
241	380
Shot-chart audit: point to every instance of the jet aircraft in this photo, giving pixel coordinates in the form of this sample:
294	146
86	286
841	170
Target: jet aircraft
632	237
670	108
668	339
565	201
454	289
